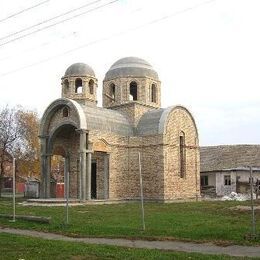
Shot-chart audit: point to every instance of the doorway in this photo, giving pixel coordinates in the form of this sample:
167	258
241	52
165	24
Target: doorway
93	180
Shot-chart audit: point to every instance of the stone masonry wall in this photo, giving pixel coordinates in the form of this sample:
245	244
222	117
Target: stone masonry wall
175	186
124	181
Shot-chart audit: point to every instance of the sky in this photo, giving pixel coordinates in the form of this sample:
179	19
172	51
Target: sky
207	55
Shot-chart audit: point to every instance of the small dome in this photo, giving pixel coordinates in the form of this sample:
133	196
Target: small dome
131	67
79	69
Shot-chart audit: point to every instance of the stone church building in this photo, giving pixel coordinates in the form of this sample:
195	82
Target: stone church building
101	145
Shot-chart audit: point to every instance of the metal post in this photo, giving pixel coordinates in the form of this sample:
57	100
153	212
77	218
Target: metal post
67	198
141	190
252	203
14	189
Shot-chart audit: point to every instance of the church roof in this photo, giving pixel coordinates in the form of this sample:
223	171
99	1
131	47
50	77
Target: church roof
107	120
154	121
131	67
79	69
226	157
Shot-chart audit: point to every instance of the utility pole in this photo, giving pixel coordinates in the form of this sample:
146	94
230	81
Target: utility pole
14	190
252	203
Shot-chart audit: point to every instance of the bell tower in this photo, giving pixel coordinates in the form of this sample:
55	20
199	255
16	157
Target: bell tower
80	84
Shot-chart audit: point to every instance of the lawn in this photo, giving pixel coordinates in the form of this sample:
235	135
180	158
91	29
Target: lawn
197	221
21	247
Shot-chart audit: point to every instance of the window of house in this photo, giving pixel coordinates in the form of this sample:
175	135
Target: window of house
227	180
204	180
66	86
65	112
133	91
182	155
91	86
78	86
112	90
153	93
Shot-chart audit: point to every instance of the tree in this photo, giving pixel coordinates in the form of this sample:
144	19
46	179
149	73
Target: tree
19	139
10	132
28	152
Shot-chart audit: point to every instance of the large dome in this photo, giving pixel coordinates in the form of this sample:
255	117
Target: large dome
131	67
79	69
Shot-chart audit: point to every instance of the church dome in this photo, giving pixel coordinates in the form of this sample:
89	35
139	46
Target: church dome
131	67
79	69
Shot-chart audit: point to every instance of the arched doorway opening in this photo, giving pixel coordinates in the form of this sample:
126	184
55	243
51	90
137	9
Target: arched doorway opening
64	166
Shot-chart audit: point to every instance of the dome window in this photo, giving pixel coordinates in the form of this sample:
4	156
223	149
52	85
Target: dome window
78	86
65	112
153	93
112	90
91	86
66	86
133	91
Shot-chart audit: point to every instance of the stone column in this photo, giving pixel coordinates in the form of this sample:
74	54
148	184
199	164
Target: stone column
82	147
44	168
106	176
88	183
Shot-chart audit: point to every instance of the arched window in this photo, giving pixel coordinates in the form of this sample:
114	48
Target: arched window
91	86
182	155
133	91
66	86
153	93
78	86
65	112
112	91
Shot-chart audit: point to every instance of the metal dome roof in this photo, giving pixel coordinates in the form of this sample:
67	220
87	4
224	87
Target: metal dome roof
131	67
79	69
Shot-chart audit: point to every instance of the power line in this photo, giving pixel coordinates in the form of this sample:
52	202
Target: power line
44	44
48	20
118	34
23	11
62	21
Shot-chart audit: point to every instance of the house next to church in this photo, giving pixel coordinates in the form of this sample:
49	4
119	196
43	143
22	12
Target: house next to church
101	145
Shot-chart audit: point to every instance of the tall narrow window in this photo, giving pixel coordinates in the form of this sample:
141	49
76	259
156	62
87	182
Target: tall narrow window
66	86
182	155
112	91
91	86
78	86
153	93
133	91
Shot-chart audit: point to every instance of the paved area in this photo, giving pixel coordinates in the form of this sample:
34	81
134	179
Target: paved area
204	248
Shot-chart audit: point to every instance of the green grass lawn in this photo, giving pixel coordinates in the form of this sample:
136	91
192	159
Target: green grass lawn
199	221
21	247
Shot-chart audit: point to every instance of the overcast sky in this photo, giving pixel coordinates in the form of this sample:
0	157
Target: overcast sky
207	55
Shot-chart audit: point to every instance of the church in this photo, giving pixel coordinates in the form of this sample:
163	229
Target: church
101	145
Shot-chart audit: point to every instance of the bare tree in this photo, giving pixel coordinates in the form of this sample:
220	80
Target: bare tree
10	133
19	139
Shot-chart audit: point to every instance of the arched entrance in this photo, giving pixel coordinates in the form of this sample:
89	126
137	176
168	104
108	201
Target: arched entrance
63	143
